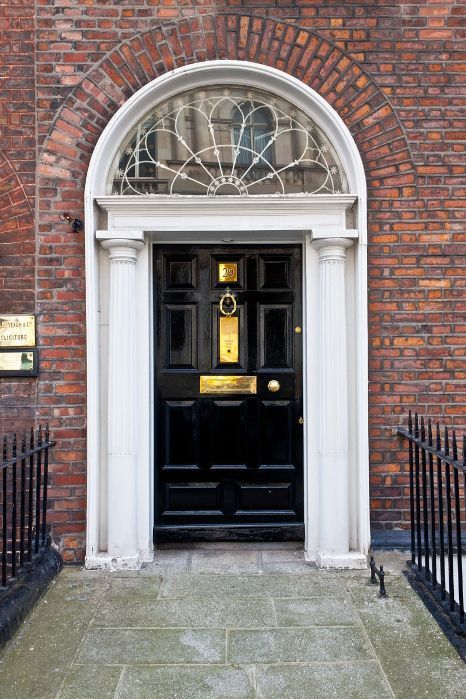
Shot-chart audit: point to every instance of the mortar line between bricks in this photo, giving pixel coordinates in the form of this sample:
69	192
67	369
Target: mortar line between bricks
371	646
104	591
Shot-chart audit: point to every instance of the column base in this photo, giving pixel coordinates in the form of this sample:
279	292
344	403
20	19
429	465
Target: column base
353	560
104	561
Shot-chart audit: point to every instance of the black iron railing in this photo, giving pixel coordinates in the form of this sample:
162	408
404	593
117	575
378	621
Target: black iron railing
23	510
437	479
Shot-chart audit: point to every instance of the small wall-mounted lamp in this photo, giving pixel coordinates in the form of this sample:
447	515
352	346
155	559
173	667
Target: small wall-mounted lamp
76	223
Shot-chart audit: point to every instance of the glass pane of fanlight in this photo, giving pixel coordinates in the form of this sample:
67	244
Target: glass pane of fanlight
227	141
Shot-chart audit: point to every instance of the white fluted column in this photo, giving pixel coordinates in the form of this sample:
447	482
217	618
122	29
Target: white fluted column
122	542
333	406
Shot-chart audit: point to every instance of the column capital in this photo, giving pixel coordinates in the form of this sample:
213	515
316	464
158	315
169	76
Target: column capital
333	232
332	249
122	250
122	234
320	243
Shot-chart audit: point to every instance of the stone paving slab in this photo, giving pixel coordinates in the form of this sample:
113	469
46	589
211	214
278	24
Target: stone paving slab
187	683
152	646
133	588
253	586
221	562
320	611
187	613
336	681
298	645
217	633
86	682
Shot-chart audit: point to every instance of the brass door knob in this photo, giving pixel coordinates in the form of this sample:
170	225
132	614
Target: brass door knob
273	386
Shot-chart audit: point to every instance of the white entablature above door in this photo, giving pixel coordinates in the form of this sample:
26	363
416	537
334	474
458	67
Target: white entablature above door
332	214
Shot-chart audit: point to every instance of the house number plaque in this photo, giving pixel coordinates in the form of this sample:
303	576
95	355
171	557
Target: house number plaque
227	272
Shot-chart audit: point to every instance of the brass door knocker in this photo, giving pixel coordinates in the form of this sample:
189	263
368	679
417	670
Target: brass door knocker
227	295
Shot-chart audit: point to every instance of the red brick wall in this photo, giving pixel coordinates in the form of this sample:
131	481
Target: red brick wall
17	189
395	73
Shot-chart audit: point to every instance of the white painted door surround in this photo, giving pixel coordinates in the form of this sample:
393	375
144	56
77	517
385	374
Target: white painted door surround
120	231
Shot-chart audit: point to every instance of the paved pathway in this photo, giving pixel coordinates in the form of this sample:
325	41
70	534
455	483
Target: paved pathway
218	622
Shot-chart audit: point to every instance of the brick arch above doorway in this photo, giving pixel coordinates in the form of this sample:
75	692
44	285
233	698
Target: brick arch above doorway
333	74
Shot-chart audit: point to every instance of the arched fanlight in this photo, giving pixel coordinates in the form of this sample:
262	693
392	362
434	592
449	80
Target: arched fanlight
227	141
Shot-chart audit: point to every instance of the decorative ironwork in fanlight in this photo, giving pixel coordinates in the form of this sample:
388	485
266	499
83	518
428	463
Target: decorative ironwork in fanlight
227	141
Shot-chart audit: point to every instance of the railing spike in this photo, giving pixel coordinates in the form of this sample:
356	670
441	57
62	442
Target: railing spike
438	440
410	423
14	445
416	425
5	448
23	443
446	445
423	429
429	432
454	447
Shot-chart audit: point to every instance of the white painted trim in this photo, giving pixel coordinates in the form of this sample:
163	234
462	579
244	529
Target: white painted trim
102	561
322	215
194	205
353	560
326	213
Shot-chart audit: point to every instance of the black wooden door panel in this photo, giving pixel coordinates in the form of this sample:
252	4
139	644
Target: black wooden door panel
181	336
228	462
229	434
275	336
276	417
181	435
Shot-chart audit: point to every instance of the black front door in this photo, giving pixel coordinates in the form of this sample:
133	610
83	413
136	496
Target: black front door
228	412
